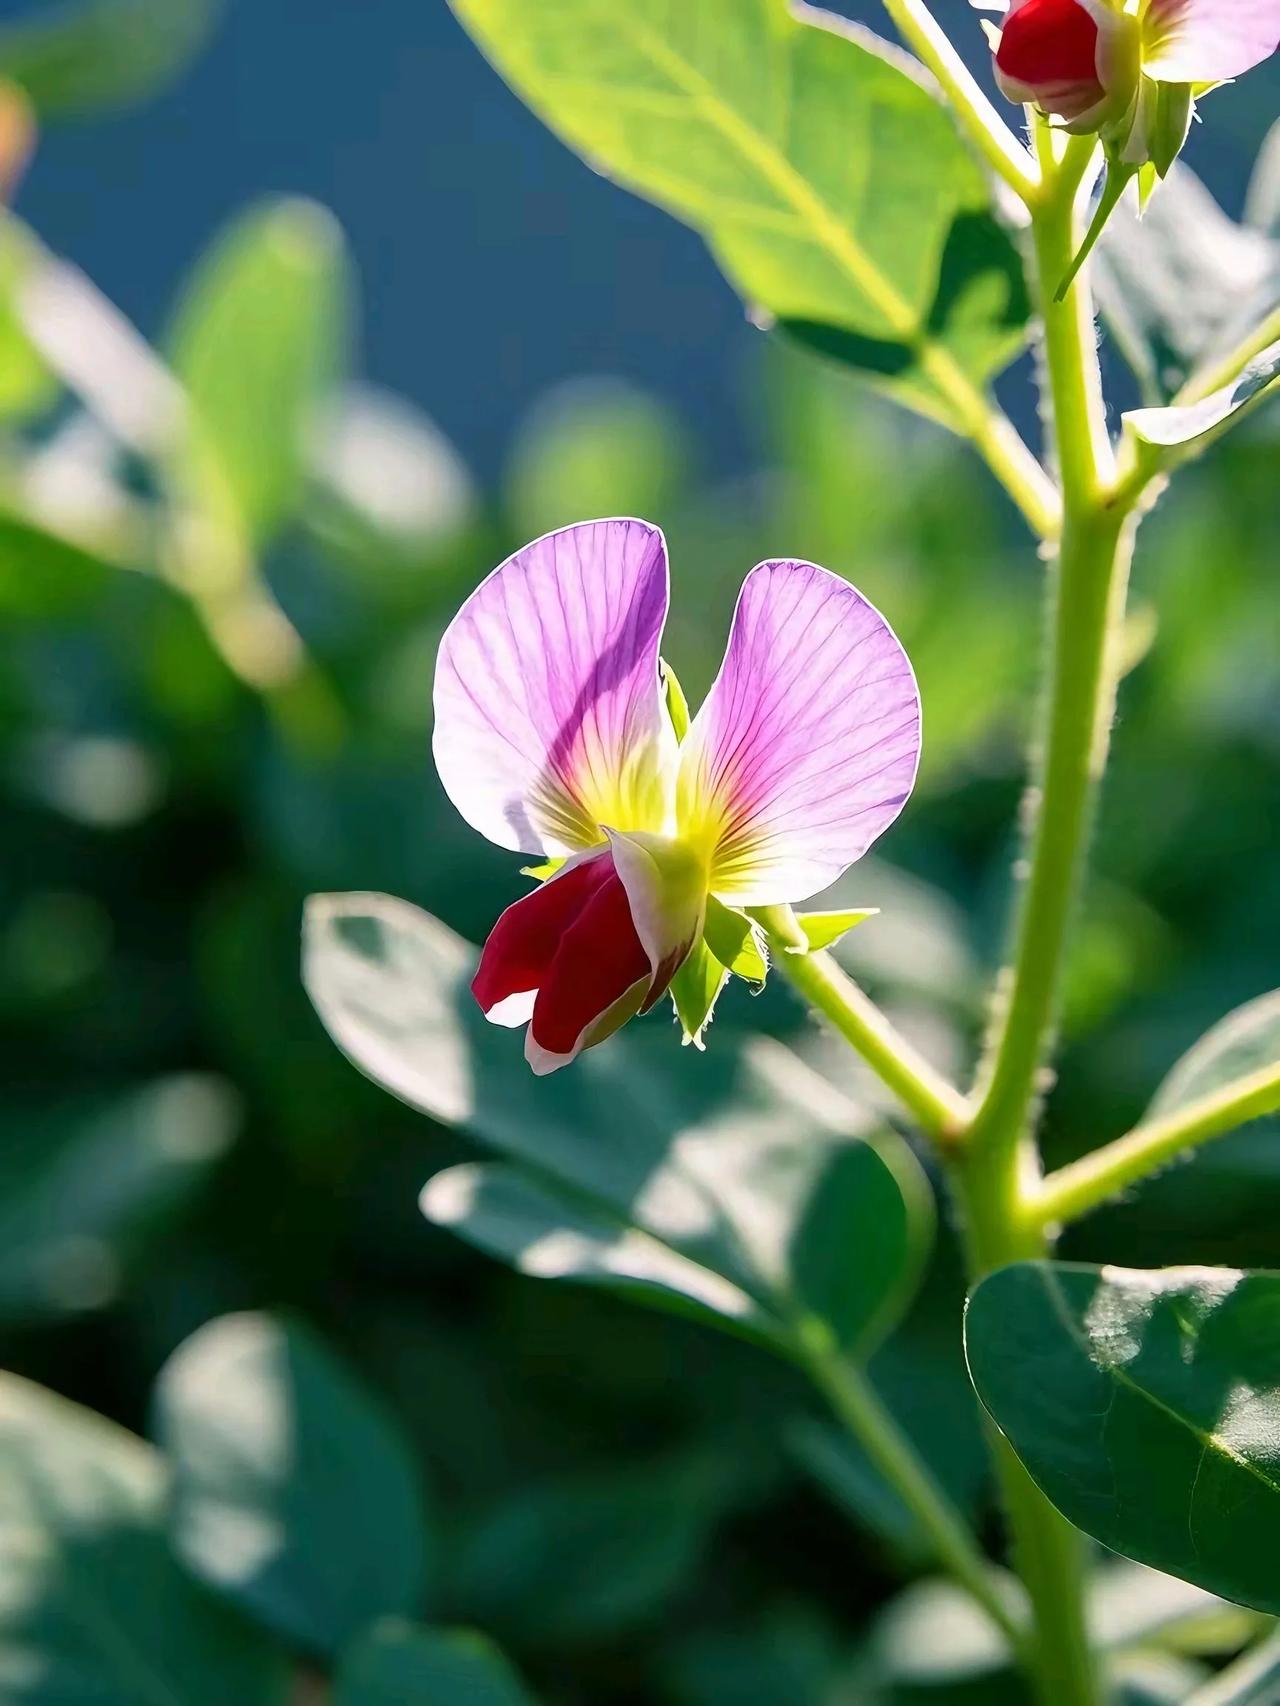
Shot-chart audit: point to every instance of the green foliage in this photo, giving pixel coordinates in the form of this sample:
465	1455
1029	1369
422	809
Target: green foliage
1144	1404
257	343
735	1182
396	1664
82	1186
83	56
94	1607
1187	426
293	1495
829	183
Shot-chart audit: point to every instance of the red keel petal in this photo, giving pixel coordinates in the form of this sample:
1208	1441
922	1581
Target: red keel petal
523	943
599	960
1049	42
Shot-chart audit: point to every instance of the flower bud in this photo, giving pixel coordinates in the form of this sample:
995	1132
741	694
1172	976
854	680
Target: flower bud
1077	60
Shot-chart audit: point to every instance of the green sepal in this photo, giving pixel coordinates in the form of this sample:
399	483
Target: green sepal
695	989
547	868
677	704
1119	174
736	942
825	929
1168	119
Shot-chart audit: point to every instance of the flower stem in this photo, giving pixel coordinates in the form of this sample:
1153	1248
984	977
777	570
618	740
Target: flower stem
977	117
940	1109
856	1402
1077	1189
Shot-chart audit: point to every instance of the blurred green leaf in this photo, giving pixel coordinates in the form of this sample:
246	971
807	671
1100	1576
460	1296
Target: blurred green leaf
1246	1041
933	1645
94	1607
591	1555
1182	427
1254	1680
592	447
82	1187
88	55
43	577
1165	1384
258	342
740	1161
396	1664
1183	283
293	1494
831	185
27	386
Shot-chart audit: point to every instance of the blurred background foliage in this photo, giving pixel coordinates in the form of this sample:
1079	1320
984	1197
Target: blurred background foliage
225	560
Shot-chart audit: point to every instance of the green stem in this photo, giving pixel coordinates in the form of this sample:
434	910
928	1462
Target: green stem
855	1401
1077	1189
996	1168
940	1109
975	114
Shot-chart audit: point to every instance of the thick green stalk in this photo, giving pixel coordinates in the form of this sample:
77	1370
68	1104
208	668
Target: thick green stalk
996	1169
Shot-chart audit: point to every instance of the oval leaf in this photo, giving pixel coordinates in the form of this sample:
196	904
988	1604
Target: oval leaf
257	344
741	1162
100	54
94	1606
1146	1405
293	1494
398	1665
1182	427
832	187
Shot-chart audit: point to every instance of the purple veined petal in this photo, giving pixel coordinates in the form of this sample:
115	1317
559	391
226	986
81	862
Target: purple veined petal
807	746
1207	41
549	720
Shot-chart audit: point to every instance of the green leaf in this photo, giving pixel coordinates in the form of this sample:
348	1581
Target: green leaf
1183	284
541	1231
27	385
293	1494
736	941
1146	1405
94	1606
44	577
258	343
82	1186
830	184
396	1664
1246	1041
1183	427
623	1543
1221	1200
825	929
97	54
1254	1679
741	1161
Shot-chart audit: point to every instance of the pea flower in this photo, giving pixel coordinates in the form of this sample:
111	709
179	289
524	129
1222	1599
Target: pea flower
557	733
1130	69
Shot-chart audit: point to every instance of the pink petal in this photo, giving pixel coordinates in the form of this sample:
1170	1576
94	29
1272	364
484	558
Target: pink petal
807	746
548	716
1207	41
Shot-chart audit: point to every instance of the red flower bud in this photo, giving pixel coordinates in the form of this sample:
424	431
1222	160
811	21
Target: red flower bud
1068	58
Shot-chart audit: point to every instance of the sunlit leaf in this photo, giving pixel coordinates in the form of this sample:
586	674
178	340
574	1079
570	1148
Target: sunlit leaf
1146	1405
1180	426
83	56
831	185
825	929
95	1608
1183	283
293	1494
396	1664
258	342
740	1161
